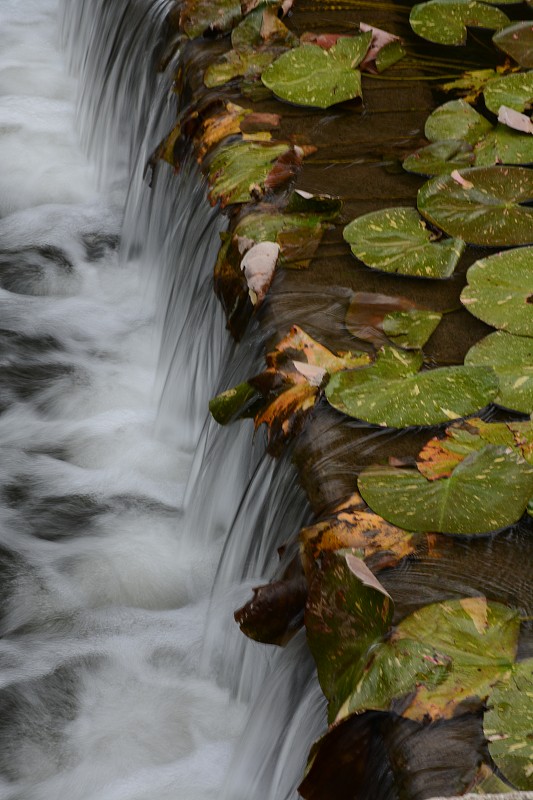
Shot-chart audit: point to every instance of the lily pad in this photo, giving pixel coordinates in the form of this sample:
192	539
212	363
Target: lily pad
456	120
347	611
397	240
237	169
198	16
378	317
239	63
500	290
312	76
236	403
437	658
440	158
508	725
481	205
439	457
514	91
404	399
517	42
410	329
511	358
446	21
487	491
504	146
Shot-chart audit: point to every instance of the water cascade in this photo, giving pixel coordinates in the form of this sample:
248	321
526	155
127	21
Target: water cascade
122	673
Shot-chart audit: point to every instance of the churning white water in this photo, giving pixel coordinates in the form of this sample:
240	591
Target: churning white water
103	596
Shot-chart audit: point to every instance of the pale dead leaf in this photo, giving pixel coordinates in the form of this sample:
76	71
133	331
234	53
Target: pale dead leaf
258	266
311	372
514	119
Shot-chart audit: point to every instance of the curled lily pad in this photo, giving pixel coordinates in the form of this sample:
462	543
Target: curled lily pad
402	397
312	76
487	491
508	725
347	611
517	42
377	317
456	120
482	205
236	403
436	658
511	358
446	21
500	290
514	91
397	240
440	158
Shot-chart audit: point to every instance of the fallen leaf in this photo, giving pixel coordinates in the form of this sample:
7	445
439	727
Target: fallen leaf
258	266
514	119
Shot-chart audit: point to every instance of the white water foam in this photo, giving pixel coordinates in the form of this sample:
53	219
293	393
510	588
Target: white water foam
103	599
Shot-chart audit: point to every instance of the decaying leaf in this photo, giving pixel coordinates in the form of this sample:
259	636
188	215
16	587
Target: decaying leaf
384	51
245	170
290	387
258	265
276	609
442	657
347	611
354	526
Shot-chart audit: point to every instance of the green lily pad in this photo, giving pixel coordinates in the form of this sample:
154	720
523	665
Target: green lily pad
514	91
199	16
500	290
406	398
504	145
410	329
312	76
508	725
347	611
455	125
481	205
440	656
237	168
511	358
239	63
456	120
389	55
487	491
377	318
397	240
236	403
446	21
517	42
440	158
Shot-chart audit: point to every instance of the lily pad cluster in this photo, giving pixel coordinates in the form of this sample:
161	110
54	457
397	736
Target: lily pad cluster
472	478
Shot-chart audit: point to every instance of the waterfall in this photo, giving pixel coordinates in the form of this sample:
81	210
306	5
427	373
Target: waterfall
132	525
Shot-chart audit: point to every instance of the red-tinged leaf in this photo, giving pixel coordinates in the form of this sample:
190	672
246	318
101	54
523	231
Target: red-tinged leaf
275	611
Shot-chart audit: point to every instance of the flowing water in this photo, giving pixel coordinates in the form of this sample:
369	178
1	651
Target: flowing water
131	528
